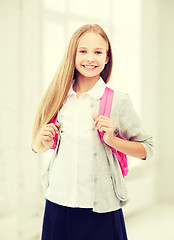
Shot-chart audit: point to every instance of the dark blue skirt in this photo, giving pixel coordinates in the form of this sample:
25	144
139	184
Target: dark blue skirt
67	223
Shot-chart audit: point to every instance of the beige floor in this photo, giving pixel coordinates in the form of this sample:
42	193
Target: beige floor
155	223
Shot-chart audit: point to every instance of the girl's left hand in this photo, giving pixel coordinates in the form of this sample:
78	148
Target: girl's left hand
106	125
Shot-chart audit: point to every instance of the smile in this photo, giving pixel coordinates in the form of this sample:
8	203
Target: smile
89	66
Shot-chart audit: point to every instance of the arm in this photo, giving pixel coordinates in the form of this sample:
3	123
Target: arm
131	128
136	143
133	149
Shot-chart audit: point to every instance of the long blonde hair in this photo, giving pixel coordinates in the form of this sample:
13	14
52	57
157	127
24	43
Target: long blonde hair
58	89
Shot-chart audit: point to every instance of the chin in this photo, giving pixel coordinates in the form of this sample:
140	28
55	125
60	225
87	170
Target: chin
90	75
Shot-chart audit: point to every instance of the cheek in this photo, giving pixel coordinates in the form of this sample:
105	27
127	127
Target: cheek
103	62
78	60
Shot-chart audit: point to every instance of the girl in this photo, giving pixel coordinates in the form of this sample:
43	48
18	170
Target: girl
84	186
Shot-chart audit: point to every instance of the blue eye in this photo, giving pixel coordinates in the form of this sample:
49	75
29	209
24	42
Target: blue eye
98	52
82	51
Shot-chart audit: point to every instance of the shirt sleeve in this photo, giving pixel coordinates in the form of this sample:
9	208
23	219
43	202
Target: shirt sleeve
131	127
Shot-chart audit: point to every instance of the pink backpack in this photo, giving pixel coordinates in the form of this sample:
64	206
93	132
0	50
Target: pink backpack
105	109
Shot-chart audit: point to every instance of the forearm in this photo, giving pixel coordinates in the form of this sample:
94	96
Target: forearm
131	148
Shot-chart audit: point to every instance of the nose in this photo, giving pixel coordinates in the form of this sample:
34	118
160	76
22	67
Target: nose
90	57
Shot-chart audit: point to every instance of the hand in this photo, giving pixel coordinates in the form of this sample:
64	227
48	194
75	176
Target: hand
106	125
47	133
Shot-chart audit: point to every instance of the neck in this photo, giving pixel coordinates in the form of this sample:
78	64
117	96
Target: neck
84	84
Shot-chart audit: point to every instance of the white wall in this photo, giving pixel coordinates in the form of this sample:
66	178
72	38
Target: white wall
21	75
157	92
153	183
165	176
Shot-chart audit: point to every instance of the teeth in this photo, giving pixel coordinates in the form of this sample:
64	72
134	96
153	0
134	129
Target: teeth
89	66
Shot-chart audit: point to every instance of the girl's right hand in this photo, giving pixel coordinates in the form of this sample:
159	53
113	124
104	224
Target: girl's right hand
47	133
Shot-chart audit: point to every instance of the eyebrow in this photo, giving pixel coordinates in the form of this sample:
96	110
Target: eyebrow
95	48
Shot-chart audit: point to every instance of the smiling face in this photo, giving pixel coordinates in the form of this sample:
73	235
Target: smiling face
91	55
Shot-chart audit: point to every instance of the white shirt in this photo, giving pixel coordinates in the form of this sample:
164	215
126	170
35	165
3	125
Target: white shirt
71	177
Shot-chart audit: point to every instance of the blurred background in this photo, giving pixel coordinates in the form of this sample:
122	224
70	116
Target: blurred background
34	35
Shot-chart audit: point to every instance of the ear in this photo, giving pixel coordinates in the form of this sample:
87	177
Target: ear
107	59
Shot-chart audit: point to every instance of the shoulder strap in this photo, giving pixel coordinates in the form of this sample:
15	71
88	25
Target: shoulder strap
106	102
105	105
105	110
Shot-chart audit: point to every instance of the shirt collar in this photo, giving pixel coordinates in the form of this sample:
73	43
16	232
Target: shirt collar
96	91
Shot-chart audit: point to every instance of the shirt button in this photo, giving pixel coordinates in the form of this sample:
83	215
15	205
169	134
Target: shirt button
95	203
93	129
95	154
95	179
92	105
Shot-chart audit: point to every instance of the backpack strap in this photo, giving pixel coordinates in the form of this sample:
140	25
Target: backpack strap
106	102
105	105
105	110
56	135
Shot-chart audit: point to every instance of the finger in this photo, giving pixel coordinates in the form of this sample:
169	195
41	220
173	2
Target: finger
95	116
103	129
57	124
105	121
104	124
97	119
46	138
55	129
51	130
47	133
101	117
53	126
108	120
